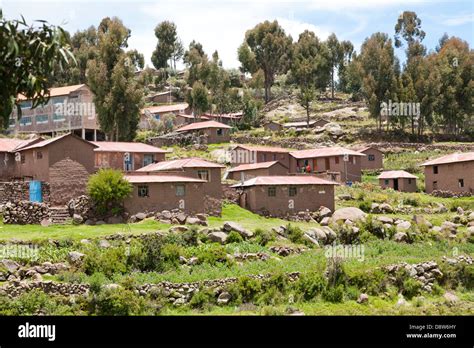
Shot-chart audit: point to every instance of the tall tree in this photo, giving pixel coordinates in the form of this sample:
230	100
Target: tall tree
111	77
377	64
199	99
168	47
28	56
197	63
335	57
266	47
347	50
310	68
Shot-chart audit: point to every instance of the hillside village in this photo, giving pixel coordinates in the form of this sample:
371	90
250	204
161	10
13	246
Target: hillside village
262	206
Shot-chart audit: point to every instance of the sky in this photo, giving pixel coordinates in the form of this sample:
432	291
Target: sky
221	24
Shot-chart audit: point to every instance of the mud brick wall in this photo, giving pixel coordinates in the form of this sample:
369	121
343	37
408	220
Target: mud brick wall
15	191
68	179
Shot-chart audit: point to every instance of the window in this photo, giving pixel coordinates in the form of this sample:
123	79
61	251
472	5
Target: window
143	191
22	159
12	122
292	191
148	159
40	119
272	191
386	181
264	157
274	157
58	117
26	104
203	175
337	159
58	100
157	117
461	182
435	169
371	158
180	190
435	185
409	181
25	121
219	131
39	155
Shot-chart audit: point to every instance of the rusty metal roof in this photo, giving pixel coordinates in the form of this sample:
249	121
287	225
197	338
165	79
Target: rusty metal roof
452	158
202	125
396	174
324	152
285	180
121	146
179	164
139	179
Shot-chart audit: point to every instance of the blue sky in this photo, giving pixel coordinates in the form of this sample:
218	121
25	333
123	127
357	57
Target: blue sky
221	24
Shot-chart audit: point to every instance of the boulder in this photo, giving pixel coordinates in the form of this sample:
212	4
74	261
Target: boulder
330	234
10	265
400	237
470	230
385	220
471	216
219	237
324	212
450	298
325	221
403	226
310	239
181	217
319	235
75	257
350	213
195	221
140	216
179	229
45	222
232	226
363	298
104	244
114	220
224	298
77	219
333	128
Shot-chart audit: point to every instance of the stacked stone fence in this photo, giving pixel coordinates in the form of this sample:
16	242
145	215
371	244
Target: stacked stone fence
14	191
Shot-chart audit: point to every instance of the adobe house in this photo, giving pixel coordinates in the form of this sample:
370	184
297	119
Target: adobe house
251	170
286	195
228	119
373	159
183	119
272	126
454	172
161	97
65	162
126	156
151	114
8	148
216	132
70	108
153	193
243	154
399	180
336	162
193	168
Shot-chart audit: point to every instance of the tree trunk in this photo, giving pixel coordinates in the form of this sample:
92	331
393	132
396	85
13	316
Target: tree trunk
307	114
332	82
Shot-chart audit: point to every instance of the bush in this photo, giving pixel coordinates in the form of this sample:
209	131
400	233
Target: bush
245	290
211	254
234	237
413	201
107	261
294	234
146	255
365	206
96	281
191	236
108	188
411	288
119	302
263	237
171	254
203	299
309	286
333	294
35	302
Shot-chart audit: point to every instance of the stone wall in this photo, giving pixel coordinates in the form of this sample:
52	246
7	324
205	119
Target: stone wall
13	191
68	180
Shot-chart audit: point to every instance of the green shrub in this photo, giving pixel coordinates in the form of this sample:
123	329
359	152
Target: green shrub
119	302
108	188
413	201
308	286
107	261
171	254
263	237
234	237
365	206
211	254
191	236
294	234
96	281
411	288
36	302
203	299
146	255
372	282
333	294
245	290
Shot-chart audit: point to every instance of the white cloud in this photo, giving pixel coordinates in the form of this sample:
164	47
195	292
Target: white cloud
458	20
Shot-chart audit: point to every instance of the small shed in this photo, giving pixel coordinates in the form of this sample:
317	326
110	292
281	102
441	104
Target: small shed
398	180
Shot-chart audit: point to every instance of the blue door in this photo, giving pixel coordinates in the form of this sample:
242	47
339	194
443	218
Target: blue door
35	191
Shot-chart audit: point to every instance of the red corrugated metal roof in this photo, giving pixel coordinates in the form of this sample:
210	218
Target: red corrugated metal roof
179	164
120	146
452	158
8	144
52	140
138	179
251	166
324	152
396	174
263	148
285	180
166	108
192	117
202	125
55	92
